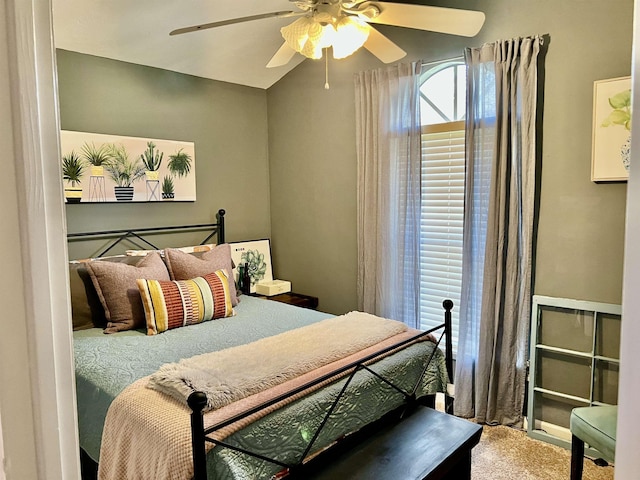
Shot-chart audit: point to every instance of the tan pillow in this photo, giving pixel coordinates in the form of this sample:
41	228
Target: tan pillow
184	266
118	290
86	310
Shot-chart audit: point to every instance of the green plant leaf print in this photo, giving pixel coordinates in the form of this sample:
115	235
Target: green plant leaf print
621	115
256	265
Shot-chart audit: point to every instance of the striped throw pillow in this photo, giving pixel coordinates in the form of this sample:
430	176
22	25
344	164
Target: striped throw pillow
178	303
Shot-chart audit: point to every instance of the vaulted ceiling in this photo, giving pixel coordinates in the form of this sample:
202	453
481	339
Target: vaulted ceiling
138	32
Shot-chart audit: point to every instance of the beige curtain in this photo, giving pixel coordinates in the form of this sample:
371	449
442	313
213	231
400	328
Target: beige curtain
498	230
388	154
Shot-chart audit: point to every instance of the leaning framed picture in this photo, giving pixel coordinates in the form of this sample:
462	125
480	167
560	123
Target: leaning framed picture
611	130
256	255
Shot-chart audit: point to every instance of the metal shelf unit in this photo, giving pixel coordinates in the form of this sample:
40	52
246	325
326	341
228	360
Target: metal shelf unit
570	334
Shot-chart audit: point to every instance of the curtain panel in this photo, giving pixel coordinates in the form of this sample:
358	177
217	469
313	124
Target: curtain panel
388	145
500	181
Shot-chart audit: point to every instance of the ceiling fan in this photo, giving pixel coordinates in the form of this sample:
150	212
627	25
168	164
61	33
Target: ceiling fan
344	26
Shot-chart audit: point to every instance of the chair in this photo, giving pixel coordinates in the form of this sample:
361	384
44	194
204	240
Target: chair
595	426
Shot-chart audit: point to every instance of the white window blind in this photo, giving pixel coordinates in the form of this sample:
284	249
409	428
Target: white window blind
441	223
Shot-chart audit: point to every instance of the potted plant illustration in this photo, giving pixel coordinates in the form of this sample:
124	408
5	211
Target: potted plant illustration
72	168
97	157
167	188
124	172
180	163
152	160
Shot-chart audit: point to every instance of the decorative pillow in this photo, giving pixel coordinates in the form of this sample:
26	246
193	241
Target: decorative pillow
86	309
183	266
178	303
117	289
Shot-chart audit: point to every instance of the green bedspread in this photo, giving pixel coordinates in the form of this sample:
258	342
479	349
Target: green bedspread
106	364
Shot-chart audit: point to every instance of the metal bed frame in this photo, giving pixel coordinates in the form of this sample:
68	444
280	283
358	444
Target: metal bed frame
139	234
197	400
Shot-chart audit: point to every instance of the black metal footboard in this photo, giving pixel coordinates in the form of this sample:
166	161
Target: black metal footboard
197	400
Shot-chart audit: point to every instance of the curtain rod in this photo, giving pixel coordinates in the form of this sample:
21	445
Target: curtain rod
433	62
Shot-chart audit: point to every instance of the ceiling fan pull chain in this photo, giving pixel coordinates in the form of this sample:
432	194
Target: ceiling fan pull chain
326	69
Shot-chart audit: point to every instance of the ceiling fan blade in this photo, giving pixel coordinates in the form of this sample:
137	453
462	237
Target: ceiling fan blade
283	56
466	23
204	26
382	47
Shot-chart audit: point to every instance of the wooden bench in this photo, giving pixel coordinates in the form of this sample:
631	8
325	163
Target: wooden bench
424	445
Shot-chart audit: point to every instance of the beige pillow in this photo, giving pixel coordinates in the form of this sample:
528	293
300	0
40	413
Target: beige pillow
184	266
118	291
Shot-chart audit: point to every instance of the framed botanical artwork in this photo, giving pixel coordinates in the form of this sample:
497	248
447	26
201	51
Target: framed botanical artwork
611	130
113	168
256	255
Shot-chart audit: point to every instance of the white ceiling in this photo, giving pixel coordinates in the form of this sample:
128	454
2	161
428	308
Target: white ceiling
137	31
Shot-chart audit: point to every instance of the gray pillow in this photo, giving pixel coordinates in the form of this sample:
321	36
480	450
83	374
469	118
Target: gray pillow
118	291
184	266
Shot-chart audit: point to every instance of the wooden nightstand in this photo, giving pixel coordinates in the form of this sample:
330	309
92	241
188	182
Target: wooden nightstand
297	299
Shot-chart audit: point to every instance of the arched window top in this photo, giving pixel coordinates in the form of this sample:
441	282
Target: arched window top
442	93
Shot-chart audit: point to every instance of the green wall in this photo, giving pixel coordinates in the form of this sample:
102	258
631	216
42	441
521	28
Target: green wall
227	123
313	161
283	162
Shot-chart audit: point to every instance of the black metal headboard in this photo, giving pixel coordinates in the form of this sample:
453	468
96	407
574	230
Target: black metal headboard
213	229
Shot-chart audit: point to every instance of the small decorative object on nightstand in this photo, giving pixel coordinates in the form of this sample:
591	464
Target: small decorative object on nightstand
273	287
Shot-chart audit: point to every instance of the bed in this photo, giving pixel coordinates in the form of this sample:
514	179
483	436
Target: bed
140	432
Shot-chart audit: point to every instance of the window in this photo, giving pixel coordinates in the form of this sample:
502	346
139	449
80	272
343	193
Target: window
442	109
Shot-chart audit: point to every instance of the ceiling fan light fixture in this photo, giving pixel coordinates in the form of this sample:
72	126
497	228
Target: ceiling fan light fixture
344	26
309	36
311	50
322	35
351	33
296	34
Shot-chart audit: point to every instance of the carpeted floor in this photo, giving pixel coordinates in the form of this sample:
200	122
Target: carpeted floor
506	454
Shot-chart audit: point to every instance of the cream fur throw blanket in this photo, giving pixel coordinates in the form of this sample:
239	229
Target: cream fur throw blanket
232	374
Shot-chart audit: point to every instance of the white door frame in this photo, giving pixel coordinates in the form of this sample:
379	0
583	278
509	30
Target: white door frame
41	298
627	463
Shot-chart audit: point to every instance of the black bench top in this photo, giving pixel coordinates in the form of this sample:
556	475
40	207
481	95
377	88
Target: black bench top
426	444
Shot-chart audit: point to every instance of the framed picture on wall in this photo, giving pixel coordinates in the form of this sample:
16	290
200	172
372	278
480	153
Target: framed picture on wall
256	254
611	130
99	168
